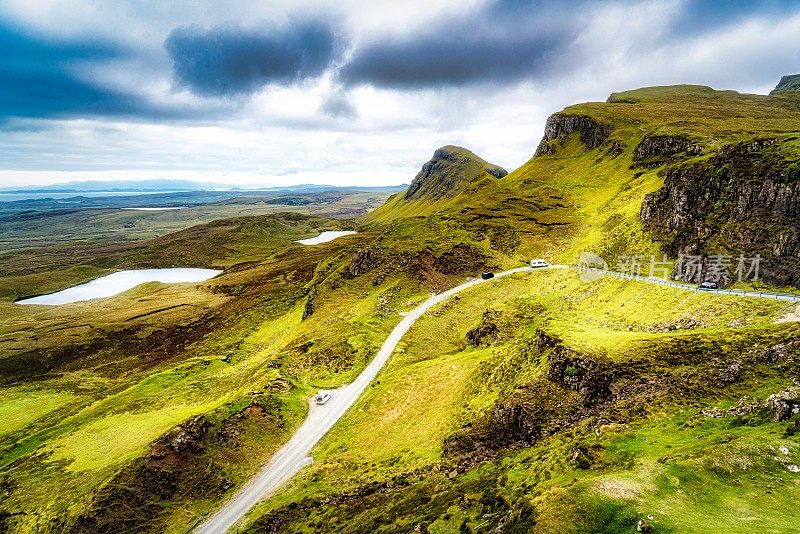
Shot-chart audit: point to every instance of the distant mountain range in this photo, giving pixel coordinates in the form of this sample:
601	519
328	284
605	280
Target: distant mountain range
120	185
157	185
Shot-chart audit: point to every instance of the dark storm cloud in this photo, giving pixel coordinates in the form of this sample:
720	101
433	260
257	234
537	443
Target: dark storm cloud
490	46
38	79
231	61
505	41
439	62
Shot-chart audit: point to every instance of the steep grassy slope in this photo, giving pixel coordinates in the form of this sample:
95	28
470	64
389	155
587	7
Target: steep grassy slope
486	215
548	405
152	406
451	172
585	188
548	414
790	82
539	402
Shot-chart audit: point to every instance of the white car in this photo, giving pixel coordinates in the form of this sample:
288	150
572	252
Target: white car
538	263
322	397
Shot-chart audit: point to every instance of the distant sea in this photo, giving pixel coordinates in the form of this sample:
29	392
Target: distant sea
20	195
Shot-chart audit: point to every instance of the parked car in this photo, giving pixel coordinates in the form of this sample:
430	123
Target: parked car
708	285
487	275
322	397
538	263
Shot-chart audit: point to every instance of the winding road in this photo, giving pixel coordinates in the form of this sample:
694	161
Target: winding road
294	455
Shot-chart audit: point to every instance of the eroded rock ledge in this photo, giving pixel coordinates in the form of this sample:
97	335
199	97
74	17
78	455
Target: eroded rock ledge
560	125
655	149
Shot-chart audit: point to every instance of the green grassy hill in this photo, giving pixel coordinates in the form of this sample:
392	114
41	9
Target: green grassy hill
452	172
536	403
545	404
675	170
790	82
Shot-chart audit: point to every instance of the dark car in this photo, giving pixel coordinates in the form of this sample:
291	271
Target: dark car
322	397
708	285
487	275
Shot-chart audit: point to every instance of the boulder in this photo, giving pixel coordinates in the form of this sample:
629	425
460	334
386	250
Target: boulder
785	404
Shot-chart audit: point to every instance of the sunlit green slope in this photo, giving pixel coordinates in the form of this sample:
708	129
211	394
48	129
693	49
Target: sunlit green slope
545	404
536	403
585	188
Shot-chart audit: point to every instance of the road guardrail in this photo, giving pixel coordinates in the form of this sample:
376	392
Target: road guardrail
660	281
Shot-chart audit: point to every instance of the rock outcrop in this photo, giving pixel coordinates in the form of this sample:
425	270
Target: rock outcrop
450	172
745	200
185	464
574	385
785	404
560	125
657	148
425	264
364	260
487	332
790	82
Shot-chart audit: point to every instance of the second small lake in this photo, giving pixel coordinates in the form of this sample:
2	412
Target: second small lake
324	237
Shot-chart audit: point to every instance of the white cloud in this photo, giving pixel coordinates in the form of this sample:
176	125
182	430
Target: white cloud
281	135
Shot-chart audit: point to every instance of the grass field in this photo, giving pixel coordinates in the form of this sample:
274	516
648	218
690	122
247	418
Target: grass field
594	465
436	382
21	407
26	231
537	402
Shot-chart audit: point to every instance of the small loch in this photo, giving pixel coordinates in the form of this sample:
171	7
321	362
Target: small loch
324	237
116	283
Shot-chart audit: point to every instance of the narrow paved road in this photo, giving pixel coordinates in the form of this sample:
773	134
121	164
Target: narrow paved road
294	454
789	297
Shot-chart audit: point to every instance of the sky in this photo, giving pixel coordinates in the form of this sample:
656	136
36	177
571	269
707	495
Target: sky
352	92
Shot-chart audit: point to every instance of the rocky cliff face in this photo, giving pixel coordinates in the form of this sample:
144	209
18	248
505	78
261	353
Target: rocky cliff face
450	172
743	200
560	125
657	149
790	82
